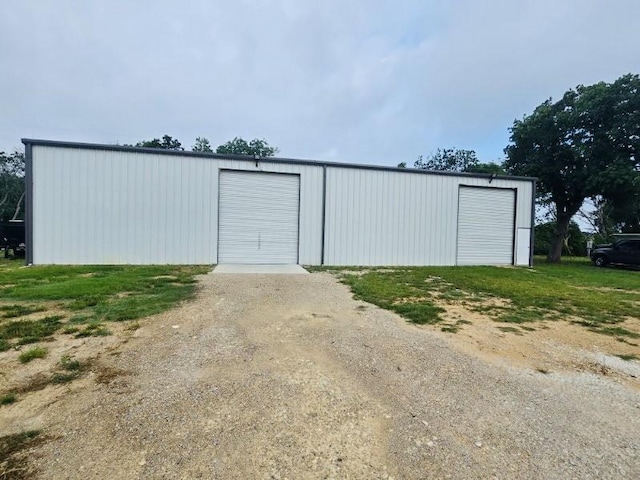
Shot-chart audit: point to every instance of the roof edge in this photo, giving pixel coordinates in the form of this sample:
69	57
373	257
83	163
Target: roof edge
249	158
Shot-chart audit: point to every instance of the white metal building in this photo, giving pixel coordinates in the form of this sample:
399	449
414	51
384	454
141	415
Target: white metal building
108	204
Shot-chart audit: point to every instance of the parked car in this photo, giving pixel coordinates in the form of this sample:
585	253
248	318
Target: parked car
621	252
12	238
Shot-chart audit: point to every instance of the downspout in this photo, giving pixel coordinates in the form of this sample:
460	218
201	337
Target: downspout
324	210
28	212
533	223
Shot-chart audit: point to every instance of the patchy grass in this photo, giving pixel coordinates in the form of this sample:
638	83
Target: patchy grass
67	370
388	291
18	310
597	298
32	354
82	295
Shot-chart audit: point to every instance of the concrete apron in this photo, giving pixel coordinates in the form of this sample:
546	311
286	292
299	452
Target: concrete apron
260	269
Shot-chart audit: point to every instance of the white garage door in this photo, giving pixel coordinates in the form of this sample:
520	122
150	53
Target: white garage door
258	217
485	226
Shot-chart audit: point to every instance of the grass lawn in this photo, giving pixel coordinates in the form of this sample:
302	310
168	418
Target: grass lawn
597	298
38	302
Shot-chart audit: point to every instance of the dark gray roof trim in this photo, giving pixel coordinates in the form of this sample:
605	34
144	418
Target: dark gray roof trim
248	158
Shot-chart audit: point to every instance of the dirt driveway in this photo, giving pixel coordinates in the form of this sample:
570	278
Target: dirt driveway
269	376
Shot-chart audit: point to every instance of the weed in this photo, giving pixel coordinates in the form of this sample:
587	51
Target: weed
4	345
32	354
628	356
509	329
132	326
93	330
70	364
449	328
80	319
61	377
70	330
17	310
8	399
11	454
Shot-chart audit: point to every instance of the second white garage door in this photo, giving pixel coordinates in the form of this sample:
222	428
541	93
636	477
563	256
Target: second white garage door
258	217
485	226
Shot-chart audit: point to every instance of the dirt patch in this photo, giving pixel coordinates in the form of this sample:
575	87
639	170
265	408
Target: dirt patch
542	346
265	376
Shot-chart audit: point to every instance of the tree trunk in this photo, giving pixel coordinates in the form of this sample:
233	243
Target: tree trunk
15	215
559	235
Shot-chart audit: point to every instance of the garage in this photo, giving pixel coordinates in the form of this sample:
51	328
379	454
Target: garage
146	206
486	225
258	217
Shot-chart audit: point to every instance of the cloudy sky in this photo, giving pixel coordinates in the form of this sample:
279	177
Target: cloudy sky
364	81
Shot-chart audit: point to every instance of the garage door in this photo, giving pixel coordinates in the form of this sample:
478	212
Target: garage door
258	217
485	226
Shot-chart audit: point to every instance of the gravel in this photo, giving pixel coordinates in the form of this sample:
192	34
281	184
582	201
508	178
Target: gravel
286	376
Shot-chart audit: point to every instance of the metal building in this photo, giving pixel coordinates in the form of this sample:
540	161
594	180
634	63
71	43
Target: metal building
108	204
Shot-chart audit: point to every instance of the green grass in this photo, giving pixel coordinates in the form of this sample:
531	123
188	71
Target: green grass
575	289
87	295
32	354
8	399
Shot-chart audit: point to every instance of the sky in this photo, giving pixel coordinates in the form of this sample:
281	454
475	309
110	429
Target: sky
360	81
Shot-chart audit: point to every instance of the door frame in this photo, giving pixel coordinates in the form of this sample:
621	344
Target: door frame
515	217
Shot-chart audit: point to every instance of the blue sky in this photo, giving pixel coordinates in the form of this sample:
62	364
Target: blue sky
361	81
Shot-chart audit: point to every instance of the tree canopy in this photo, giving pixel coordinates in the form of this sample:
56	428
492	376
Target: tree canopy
239	146
167	143
11	186
456	160
202	145
584	145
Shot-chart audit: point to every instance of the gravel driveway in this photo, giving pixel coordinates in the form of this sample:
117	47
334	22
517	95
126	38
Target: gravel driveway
286	376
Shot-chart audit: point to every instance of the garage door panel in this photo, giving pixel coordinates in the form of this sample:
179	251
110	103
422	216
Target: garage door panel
485	226
258	219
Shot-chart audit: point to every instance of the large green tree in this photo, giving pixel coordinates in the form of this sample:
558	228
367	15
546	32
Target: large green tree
456	160
239	146
584	145
11	186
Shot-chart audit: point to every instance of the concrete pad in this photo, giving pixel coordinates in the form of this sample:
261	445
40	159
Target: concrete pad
261	269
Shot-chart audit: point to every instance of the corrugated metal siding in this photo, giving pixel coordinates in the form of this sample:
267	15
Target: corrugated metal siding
105	207
259	215
98	206
399	218
486	226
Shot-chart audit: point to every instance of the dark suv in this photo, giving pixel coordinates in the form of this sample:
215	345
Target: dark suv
624	252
